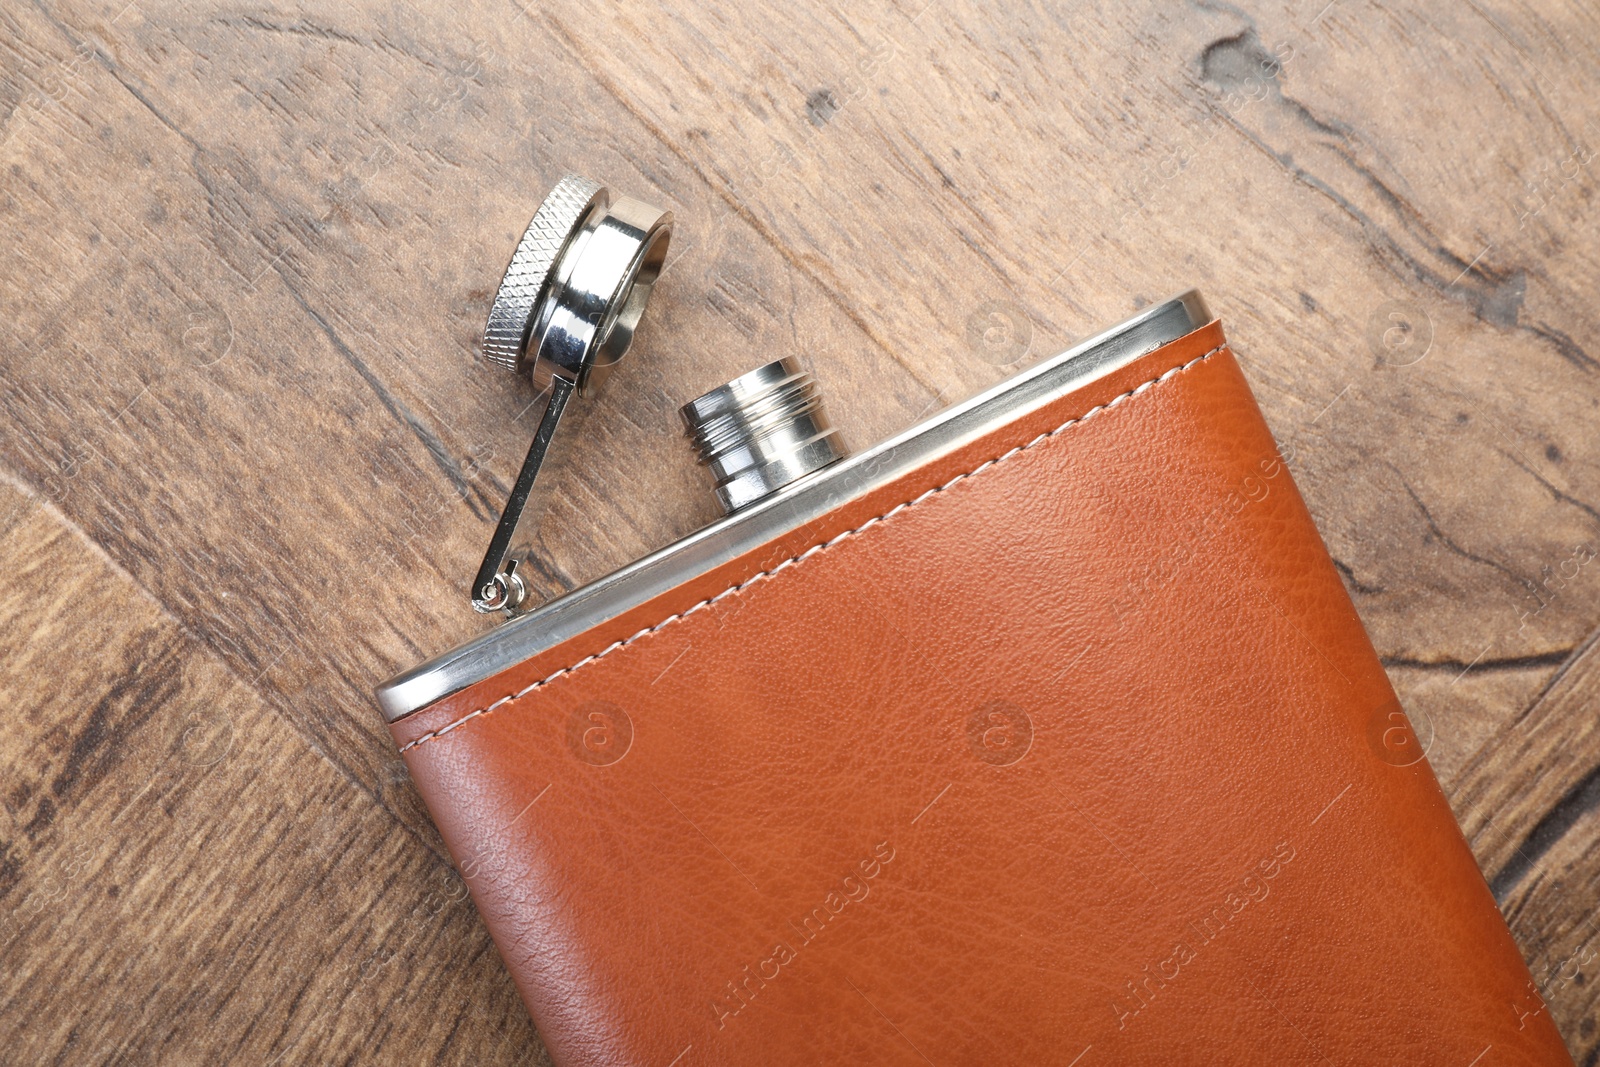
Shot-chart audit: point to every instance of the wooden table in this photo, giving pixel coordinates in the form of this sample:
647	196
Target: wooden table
250	456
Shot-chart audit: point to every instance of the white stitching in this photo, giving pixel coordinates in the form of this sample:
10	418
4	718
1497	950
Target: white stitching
813	550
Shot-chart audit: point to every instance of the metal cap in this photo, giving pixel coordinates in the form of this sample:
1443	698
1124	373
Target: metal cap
565	313
577	285
761	431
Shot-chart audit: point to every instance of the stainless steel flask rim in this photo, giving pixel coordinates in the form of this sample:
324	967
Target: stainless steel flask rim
761	432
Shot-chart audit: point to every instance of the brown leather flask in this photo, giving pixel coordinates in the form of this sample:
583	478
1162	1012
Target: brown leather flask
1042	732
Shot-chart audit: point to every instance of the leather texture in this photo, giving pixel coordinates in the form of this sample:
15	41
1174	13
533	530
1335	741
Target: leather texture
1068	748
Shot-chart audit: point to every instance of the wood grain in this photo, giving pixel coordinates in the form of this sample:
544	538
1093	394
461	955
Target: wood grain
250	456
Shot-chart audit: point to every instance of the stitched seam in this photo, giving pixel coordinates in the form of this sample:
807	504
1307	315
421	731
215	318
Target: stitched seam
812	551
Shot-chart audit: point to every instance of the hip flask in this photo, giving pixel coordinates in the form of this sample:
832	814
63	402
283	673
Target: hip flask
1043	731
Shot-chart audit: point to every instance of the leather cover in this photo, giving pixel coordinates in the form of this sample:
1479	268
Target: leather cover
1067	748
